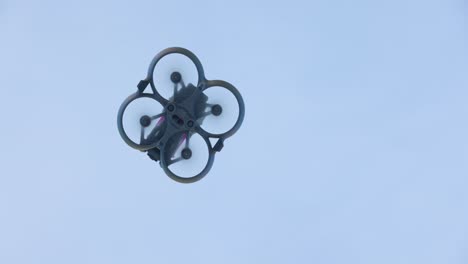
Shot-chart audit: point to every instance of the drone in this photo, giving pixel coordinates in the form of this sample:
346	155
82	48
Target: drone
178	117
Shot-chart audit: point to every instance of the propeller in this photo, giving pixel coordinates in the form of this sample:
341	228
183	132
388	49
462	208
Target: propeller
142	121
187	156
224	109
172	72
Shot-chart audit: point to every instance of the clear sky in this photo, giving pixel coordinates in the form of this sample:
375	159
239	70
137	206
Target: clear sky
354	147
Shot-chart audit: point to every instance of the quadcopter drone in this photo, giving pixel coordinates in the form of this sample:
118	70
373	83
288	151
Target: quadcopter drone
182	119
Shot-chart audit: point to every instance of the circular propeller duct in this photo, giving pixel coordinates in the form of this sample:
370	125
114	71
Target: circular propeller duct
141	121
187	157
224	110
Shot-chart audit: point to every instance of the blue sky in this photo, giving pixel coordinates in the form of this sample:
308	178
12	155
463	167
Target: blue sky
354	147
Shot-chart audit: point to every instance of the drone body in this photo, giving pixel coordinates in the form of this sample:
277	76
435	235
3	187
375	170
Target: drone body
173	115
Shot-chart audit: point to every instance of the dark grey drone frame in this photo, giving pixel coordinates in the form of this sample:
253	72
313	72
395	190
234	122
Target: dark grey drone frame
183	115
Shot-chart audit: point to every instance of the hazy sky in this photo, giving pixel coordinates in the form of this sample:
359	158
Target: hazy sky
354	147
